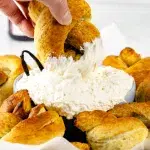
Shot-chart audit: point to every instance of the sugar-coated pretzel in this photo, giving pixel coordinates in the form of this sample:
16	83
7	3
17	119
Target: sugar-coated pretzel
50	36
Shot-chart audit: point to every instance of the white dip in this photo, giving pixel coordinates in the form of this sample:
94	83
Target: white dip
74	87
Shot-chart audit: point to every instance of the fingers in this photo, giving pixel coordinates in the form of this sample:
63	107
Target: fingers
9	8
23	6
60	10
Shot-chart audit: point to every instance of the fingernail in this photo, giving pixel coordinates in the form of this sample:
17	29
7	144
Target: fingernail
67	18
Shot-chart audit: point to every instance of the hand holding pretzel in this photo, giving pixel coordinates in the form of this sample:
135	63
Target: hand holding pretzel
51	37
58	8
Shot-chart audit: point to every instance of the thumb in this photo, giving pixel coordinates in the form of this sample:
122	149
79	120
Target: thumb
59	10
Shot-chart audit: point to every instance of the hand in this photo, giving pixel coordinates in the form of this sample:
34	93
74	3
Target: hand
58	8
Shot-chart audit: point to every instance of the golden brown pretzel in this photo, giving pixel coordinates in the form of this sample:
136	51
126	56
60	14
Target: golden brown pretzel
10	67
129	56
50	36
138	110
7	122
143	91
18	104
3	77
39	126
37	130
104	131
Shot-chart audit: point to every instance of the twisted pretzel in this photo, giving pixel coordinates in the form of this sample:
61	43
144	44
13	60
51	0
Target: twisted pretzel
50	36
104	131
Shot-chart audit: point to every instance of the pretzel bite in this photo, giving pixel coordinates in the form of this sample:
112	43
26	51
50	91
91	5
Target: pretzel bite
107	133
143	91
37	130
143	64
18	103
115	62
137	110
3	77
10	69
7	122
129	56
140	76
37	110
83	32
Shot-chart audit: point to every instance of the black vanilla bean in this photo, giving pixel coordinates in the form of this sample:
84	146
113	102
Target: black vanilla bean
24	64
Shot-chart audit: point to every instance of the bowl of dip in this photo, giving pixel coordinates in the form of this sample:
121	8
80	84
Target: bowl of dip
72	87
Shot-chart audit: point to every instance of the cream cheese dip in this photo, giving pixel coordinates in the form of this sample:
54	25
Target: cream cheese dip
76	86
